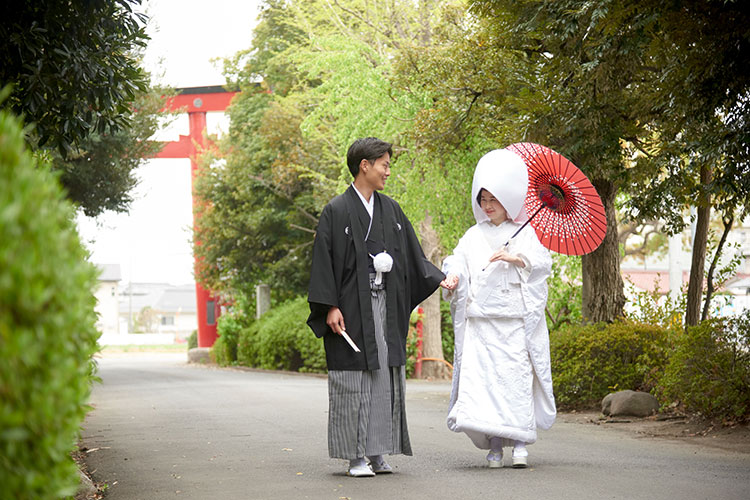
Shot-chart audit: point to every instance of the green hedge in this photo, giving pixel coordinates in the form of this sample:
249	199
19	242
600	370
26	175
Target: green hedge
705	368
47	327
411	345
709	371
590	361
193	340
224	350
281	340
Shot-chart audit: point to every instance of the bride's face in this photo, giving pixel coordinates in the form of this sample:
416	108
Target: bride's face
493	208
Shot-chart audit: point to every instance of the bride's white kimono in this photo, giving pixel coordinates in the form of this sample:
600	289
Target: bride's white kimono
502	384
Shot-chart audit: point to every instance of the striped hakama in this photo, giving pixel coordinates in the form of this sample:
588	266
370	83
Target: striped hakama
367	408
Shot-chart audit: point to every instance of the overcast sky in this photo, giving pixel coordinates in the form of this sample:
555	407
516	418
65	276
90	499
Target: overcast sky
152	242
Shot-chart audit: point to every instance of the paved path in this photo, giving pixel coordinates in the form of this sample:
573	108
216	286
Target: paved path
162	429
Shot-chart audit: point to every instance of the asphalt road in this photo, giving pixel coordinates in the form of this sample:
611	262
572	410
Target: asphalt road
162	429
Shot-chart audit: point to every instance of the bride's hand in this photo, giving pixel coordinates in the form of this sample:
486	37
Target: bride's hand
504	255
450	282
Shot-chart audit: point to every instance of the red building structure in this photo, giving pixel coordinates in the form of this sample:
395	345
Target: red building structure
196	102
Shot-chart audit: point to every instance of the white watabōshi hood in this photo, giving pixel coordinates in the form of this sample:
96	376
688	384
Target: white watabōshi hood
504	174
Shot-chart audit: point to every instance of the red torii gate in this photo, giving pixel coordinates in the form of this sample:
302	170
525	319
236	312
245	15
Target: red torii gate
197	101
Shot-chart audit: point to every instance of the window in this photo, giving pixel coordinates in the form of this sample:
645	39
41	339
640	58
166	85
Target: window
210	312
167	320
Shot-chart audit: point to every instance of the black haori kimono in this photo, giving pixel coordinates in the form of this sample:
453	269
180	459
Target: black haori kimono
366	389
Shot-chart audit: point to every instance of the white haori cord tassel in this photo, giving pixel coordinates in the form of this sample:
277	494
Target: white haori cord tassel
383	264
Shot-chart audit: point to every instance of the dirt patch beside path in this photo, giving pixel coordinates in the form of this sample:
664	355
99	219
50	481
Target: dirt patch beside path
673	427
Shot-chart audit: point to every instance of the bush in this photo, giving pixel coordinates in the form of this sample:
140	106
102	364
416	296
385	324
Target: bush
411	345
564	292
590	361
218	352
47	327
248	352
281	340
654	308
224	350
193	340
446	331
709	371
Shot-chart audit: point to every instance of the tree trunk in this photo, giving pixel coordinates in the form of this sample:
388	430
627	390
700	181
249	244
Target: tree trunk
712	268
697	266
432	339
602	293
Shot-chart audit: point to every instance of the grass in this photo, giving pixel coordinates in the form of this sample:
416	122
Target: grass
144	348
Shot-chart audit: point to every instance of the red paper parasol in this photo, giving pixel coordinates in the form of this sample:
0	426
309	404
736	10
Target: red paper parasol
563	206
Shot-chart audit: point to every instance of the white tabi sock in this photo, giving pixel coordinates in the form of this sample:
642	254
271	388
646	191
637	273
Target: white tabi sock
519	449
496	444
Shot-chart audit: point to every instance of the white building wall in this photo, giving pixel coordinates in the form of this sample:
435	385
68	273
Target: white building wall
182	324
108	307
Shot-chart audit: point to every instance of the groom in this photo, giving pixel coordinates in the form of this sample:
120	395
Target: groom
368	273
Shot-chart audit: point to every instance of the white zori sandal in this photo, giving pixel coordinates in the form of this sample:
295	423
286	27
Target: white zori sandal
495	459
359	468
520	455
495	456
379	465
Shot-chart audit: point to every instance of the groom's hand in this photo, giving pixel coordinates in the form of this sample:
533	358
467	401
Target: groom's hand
335	320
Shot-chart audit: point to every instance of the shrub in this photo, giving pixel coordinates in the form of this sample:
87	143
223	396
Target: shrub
281	340
709	371
218	352
446	327
193	340
411	345
247	346
654	308
47	327
224	350
590	361
564	289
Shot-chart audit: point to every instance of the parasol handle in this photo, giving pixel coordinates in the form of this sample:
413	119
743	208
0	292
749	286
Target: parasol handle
520	228
525	223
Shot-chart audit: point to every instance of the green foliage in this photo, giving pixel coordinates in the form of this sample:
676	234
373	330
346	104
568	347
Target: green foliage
248	346
75	76
257	227
447	334
411	345
281	340
219	352
564	288
709	370
411	351
441	187
701	111
590	361
655	309
72	66
224	349
348	70
193	340
47	326
328	66
146	320
99	173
